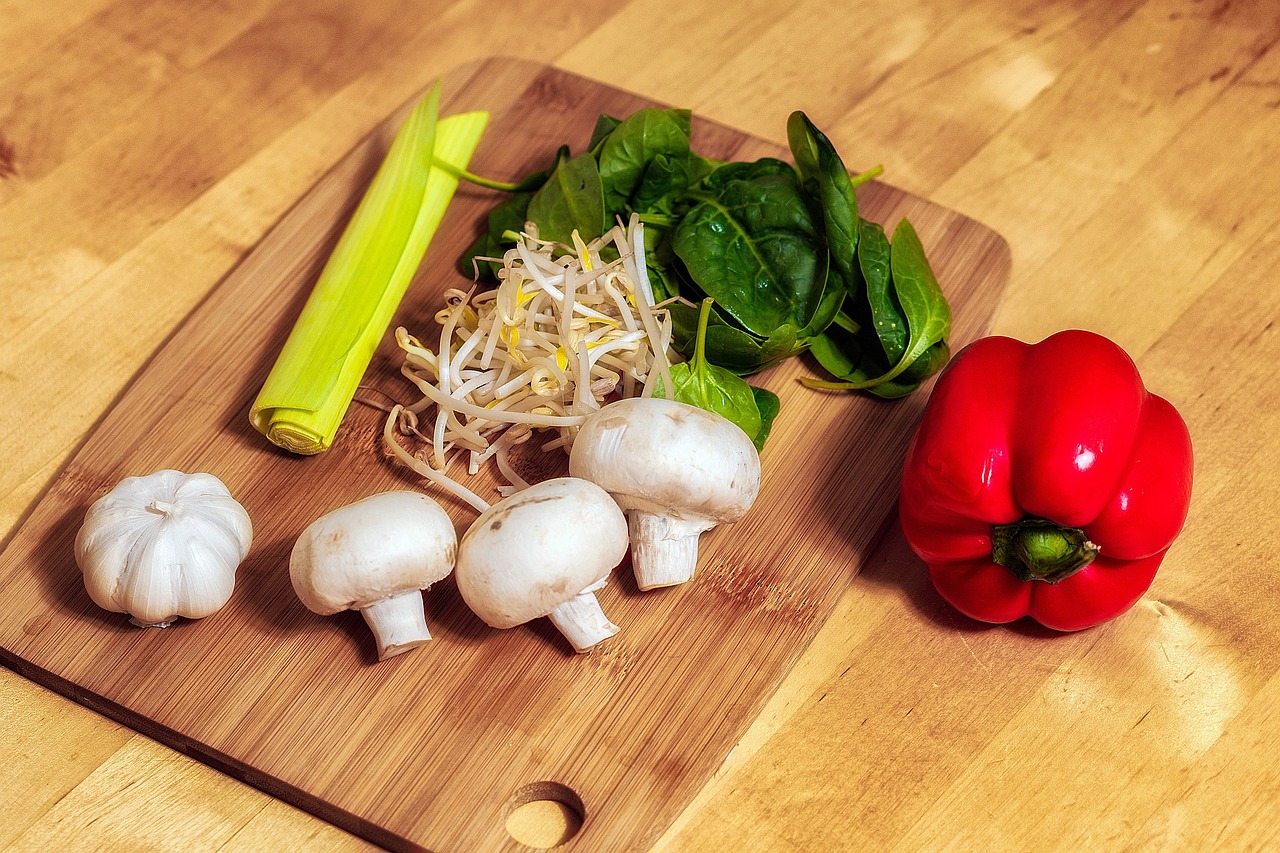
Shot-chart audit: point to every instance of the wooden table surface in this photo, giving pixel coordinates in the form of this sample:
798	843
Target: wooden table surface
1126	149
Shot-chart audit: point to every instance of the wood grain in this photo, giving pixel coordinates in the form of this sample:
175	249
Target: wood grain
1125	149
433	749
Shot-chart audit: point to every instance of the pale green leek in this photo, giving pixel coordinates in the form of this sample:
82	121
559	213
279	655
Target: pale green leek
314	379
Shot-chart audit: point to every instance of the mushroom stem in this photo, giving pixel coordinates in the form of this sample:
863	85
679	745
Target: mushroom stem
582	621
399	623
664	550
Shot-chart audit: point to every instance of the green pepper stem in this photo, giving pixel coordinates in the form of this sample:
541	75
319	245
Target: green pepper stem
1039	549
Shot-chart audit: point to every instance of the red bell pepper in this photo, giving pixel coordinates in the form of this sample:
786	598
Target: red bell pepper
1044	480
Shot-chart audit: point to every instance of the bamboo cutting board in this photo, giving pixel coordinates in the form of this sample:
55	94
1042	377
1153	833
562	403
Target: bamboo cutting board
434	748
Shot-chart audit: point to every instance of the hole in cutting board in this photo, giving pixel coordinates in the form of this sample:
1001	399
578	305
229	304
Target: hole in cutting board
543	815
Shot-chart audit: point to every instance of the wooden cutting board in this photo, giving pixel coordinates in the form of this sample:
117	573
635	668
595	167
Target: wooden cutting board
434	748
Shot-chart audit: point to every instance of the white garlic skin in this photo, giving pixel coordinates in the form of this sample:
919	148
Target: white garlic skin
162	546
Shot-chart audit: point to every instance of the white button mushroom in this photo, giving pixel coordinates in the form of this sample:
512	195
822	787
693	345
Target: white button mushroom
676	469
544	551
376	556
162	546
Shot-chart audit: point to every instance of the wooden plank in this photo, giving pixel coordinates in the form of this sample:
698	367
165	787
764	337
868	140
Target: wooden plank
27	714
433	748
147	45
30	27
1074	151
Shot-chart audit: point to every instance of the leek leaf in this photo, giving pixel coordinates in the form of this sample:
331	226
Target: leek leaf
314	379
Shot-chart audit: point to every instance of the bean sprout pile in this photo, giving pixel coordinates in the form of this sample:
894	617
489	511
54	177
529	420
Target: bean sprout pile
564	331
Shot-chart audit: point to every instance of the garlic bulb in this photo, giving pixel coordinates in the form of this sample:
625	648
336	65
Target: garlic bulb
163	546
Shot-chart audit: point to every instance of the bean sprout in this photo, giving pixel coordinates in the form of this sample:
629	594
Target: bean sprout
567	329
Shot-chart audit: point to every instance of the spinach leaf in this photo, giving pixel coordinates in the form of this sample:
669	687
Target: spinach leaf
510	215
934	359
663	279
729	346
874	263
727	173
840	353
769	405
833	296
752	245
708	386
844	353
745	354
824	177
605	125
731	400
926	309
663	181
571	199
841	359
700	168
629	148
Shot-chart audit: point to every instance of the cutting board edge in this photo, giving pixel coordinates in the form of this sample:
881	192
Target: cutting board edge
204	754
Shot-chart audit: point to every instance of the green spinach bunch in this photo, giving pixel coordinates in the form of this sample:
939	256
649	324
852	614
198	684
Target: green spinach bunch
780	249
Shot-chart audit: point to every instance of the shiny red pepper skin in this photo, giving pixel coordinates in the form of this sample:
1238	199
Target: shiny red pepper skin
1062	430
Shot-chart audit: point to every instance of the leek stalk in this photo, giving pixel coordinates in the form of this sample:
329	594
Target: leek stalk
311	385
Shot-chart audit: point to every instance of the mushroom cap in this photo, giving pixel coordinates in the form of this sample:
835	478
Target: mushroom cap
669	458
540	547
372	549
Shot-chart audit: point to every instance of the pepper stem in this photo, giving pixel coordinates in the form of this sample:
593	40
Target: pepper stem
1039	549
